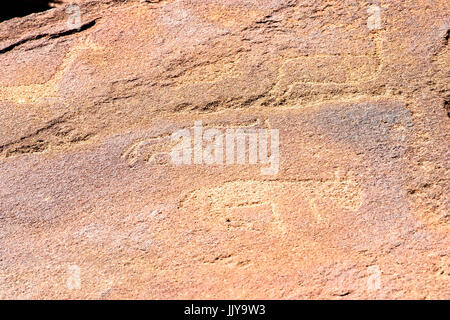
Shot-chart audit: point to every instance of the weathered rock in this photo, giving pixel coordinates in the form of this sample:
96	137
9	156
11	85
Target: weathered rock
91	205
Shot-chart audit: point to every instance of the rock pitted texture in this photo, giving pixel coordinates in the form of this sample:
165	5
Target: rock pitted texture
362	192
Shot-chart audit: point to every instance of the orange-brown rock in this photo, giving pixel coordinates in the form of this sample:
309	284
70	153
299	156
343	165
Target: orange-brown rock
91	206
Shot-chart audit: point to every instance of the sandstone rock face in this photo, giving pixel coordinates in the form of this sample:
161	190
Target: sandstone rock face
93	206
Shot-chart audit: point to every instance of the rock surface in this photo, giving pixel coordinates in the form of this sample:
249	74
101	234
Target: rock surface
90	206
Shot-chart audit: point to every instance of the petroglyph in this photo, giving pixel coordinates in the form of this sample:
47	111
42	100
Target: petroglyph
156	150
31	93
317	76
148	150
267	205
